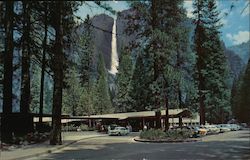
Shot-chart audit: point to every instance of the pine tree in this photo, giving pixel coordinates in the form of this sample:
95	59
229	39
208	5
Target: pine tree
243	109
102	99
123	80
86	106
200	51
6	135
63	24
86	65
138	87
72	93
211	64
43	67
160	39
1	52
35	88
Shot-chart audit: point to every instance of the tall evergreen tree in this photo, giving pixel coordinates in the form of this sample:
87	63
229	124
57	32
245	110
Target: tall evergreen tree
102	99
6	134
43	67
72	93
63	24
58	75
199	40
86	65
123	80
243	107
211	64
25	64
160	37
138	87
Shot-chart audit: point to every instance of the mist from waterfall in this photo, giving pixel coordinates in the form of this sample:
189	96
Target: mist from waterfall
114	55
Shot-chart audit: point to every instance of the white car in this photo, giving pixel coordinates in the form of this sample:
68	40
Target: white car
235	127
223	128
212	129
228	126
118	131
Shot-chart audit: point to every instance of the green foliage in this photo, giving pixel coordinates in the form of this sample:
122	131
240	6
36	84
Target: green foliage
123	79
139	92
242	99
102	100
157	134
86	66
86	106
72	94
164	49
69	127
84	127
35	89
212	67
153	134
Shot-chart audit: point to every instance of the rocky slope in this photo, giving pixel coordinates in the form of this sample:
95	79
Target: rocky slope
242	50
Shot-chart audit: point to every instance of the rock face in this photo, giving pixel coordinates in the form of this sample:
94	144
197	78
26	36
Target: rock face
237	55
242	50
124	39
235	63
102	38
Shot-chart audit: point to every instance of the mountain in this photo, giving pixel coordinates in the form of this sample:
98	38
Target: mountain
102	38
242	50
236	64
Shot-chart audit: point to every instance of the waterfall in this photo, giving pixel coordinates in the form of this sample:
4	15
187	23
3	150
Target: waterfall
114	55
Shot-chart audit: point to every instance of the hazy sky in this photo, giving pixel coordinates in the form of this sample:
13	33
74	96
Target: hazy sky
236	24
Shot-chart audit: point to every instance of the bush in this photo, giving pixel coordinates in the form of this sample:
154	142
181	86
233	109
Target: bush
178	134
70	127
157	134
153	134
84	127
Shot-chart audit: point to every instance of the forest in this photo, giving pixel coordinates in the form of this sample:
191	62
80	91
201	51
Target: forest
51	63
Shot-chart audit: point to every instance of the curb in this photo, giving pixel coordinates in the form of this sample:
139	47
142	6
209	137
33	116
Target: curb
54	149
166	141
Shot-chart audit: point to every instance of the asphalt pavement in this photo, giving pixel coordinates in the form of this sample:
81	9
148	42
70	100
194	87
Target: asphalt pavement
226	146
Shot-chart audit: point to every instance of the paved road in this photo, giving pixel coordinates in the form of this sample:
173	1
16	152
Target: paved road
226	146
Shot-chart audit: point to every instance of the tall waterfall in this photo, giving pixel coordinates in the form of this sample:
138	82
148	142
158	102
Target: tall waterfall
114	55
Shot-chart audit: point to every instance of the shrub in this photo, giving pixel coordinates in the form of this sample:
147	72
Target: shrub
157	134
153	134
84	127
70	127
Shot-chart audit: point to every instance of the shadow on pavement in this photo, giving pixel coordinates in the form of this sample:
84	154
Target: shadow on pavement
195	150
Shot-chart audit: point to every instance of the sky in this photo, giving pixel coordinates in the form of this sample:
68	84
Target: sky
234	31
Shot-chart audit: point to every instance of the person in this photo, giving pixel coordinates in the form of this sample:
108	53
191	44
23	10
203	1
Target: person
129	127
145	127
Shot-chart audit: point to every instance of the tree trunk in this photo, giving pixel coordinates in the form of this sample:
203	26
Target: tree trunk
58	78
25	73
201	99
43	65
199	66
154	23
6	135
166	108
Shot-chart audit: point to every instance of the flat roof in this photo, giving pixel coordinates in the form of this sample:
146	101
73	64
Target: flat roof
173	113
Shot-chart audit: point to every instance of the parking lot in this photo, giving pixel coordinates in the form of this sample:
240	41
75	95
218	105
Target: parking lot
229	145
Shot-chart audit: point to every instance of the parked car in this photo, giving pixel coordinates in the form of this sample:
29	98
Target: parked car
212	129
200	130
223	128
118	131
235	127
228	126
